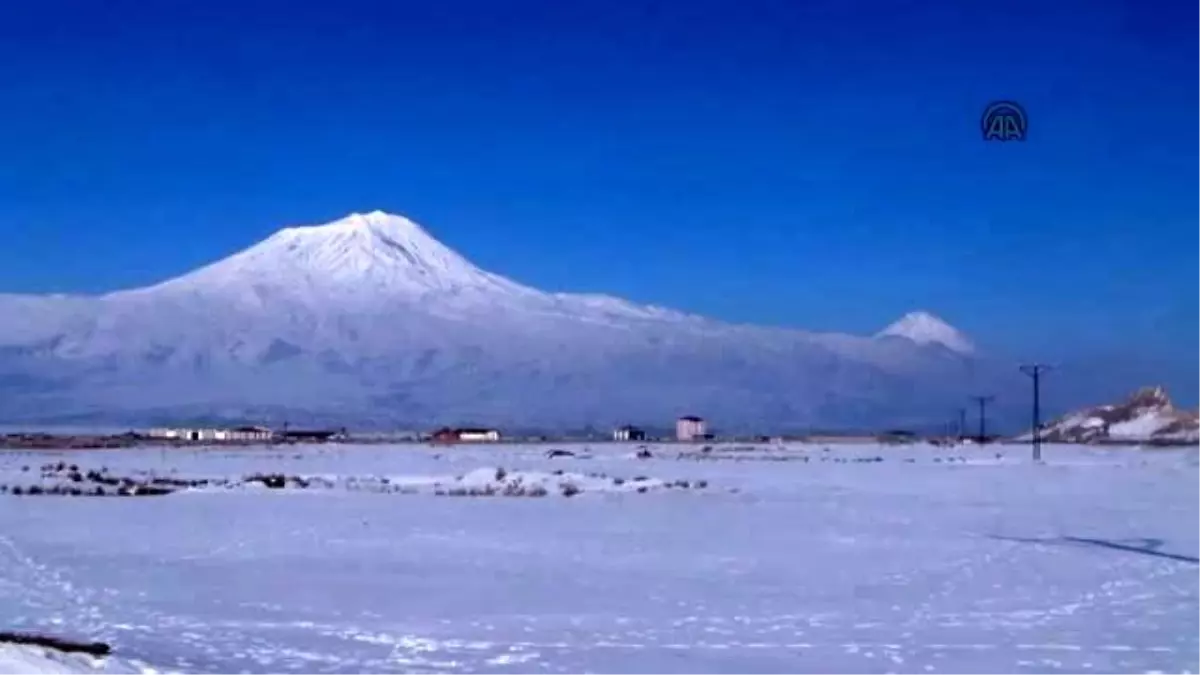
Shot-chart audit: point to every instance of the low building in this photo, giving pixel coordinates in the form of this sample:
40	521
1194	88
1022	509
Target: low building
250	434
166	434
192	434
448	435
691	428
308	436
443	435
478	435
628	433
212	434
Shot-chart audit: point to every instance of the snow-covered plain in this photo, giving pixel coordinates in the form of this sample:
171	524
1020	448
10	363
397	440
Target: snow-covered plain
774	558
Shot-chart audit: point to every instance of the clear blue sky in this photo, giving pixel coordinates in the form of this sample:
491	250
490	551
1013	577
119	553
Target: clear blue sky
810	164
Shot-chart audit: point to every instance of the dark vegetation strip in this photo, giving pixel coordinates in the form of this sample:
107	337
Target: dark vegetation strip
62	645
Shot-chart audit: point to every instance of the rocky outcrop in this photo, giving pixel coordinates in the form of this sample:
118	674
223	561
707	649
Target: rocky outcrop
1148	416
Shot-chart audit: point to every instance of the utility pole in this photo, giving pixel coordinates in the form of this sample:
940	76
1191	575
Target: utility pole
983	401
962	423
1035	370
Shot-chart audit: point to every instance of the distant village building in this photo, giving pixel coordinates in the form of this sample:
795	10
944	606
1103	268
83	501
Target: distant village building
628	433
189	434
250	434
478	435
245	434
447	435
311	435
443	435
690	428
163	433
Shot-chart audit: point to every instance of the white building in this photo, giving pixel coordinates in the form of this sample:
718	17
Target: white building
170	434
478	435
247	433
204	434
628	433
690	428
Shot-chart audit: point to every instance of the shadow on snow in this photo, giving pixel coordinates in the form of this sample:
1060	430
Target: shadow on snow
1148	547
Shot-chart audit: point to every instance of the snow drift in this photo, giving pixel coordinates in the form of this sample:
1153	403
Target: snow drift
31	659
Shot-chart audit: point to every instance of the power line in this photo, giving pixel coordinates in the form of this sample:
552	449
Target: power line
983	401
1035	370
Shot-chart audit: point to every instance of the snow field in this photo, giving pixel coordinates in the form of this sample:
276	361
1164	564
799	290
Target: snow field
791	558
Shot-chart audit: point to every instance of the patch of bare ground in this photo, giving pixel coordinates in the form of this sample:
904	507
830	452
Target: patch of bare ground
62	479
41	441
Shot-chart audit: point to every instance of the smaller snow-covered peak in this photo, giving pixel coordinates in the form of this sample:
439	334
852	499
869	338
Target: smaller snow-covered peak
924	328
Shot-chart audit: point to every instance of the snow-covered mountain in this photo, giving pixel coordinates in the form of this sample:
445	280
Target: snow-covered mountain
1146	416
924	328
369	319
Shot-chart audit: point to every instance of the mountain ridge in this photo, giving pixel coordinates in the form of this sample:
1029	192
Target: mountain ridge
378	220
371	316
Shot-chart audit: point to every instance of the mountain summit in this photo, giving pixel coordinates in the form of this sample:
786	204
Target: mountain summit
370	320
924	328
376	248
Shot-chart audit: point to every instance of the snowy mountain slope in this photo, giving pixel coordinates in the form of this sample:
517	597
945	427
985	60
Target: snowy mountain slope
1146	416
924	328
371	318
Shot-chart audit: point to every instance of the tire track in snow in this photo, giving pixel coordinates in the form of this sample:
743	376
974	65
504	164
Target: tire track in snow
40	586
